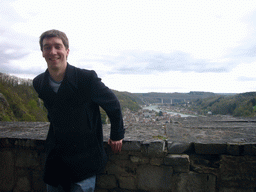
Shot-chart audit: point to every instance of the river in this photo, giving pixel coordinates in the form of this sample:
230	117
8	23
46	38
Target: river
155	108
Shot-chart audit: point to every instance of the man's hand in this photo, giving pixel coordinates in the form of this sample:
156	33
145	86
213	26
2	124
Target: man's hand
116	146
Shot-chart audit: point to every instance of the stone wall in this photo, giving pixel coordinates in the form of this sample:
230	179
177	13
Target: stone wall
142	166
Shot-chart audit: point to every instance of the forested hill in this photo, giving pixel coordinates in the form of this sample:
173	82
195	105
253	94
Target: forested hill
243	104
19	101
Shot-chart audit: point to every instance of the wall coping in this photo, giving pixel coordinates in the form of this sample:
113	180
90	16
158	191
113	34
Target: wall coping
201	135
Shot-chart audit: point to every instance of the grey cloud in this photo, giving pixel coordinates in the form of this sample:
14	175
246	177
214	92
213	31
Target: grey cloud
17	47
6	57
21	40
14	54
148	62
9	17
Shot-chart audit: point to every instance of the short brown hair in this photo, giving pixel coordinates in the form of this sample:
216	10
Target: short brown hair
54	33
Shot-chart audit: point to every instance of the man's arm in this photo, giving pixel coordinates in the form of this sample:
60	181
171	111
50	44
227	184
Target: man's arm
103	96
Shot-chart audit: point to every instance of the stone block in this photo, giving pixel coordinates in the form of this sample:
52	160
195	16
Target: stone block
30	143
131	145
20	142
210	148
249	149
154	148
27	158
106	181
121	168
224	189
180	163
127	183
37	180
234	148
123	155
157	161
205	164
100	190
40	144
7	176
195	182
23	184
139	160
178	147
6	142
237	171
154	178
115	169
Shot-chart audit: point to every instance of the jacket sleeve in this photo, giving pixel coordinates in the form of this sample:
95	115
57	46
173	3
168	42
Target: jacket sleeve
105	98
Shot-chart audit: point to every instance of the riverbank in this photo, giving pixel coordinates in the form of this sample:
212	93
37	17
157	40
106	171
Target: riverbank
157	109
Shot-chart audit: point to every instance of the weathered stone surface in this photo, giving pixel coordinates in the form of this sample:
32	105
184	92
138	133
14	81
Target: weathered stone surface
224	189
178	147
210	148
139	160
6	170
23	184
249	149
24	130
156	161
121	167
6	142
37	180
180	163
237	171
113	168
132	170
100	190
106	181
131	145
186	182
25	143
123	155
27	158
156	178
127	183
205	164
187	130
234	148
154	148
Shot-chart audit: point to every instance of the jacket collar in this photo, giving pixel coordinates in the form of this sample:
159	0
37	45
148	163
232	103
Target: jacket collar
70	75
67	88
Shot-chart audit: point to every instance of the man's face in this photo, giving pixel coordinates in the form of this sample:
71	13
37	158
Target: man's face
55	53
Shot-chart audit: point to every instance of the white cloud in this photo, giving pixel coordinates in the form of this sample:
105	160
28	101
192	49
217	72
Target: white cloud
140	46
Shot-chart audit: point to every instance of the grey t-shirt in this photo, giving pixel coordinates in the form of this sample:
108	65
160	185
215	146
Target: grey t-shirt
55	85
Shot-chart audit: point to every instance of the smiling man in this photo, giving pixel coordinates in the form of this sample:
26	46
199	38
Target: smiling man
72	96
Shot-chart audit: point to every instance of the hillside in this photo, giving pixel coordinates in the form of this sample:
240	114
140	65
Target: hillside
19	101
243	104
129	100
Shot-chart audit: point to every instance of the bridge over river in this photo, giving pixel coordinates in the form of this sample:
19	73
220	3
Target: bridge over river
155	108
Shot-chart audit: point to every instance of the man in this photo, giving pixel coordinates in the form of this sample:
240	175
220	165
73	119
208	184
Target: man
72	96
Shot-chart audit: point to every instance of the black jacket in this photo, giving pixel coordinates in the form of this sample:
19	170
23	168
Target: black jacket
74	142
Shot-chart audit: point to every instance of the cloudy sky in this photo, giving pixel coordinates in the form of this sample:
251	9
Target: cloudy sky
139	45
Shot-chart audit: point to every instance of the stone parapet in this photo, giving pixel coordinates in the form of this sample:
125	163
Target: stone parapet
149	162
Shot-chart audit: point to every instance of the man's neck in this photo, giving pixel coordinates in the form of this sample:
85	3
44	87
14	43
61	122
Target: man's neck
57	75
